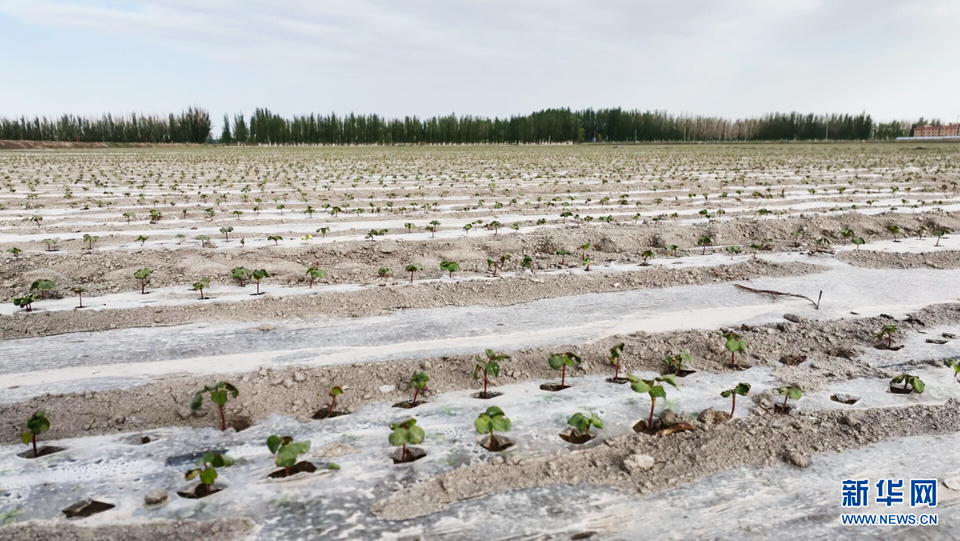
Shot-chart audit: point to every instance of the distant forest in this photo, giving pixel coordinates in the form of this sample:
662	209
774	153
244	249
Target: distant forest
547	126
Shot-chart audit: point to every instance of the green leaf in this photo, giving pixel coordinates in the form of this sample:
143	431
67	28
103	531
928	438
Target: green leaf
219	397
483	424
595	419
736	344
671	379
333	466
640	386
197	401
234	392
917	384
494	411
791	392
419	380
416	435
398	437
579	422
208	476
38	423
556	361
273	443
192	473
501	424
726	394
336	391
657	391
742	389
26	437
286	457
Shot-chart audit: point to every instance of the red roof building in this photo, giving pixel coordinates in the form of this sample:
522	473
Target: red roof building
948	130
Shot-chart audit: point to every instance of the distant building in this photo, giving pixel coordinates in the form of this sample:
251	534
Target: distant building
947	130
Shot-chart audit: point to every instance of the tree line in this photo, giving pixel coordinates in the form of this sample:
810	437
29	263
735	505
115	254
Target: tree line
190	126
547	126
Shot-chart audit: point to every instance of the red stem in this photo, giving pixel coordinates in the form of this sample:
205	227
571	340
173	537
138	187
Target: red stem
258	287
333	400
223	420
143	285
403	452
653	403
563	375
34	446
415	393
616	372
484	383
734	408
81	299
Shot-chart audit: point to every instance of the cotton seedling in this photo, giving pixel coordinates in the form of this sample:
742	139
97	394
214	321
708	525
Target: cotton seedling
242	275
37	424
259	275
676	364
413	269
886	333
333	394
314	272
144	276
286	451
734	344
79	290
654	388
201	285
207	472
742	389
42	286
560	361
789	393
952	363
419	383
704	241
449	267
907	384
490	421
25	302
219	392
616	354
488	367
581	423
403	434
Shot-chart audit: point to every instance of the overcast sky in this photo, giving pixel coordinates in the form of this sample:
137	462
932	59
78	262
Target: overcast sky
893	58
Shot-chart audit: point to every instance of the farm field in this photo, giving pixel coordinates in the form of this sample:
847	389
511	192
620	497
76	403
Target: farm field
358	280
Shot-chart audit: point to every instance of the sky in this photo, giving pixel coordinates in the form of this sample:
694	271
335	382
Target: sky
895	59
